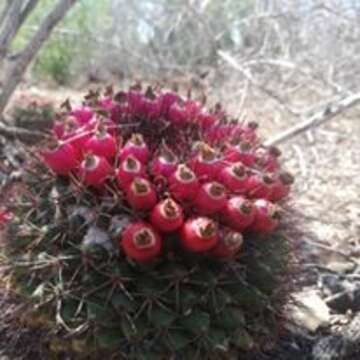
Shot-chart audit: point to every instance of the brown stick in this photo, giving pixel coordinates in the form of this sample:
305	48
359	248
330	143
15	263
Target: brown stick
5	11
17	69
328	113
28	8
11	21
13	132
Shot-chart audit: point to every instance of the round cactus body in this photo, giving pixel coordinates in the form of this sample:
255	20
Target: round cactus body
149	253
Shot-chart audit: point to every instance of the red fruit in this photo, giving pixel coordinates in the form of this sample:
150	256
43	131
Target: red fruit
102	123
167	99
177	114
136	101
129	169
206	120
94	170
167	216
165	164
281	186
83	115
101	144
77	136
230	242
210	199
234	177
106	103
151	104
267	159
249	132
58	129
5	217
141	194
192	109
141	242
121	108
183	183
206	164
136	147
243	152
239	213
199	234
260	186
267	216
61	158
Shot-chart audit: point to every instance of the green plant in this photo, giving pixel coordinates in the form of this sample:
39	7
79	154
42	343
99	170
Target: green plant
68	48
112	283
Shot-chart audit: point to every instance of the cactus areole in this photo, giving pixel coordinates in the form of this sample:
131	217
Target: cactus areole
151	230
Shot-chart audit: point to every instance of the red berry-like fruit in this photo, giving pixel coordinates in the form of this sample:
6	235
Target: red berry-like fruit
249	132
129	169
267	159
5	217
141	194
281	186
210	199
234	177
58	129
83	115
141	242
165	164
101	143
206	120
230	242
167	99
239	213
151	104
177	114
243	152
61	158
206	163
76	136
183	183
199	234
267	216
136	147
167	216
94	170
259	186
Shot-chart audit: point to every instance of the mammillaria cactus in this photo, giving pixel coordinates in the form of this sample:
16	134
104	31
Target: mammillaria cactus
155	236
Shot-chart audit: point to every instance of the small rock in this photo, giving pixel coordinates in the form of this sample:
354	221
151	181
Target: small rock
96	236
341	266
310	311
345	300
330	284
331	347
118	224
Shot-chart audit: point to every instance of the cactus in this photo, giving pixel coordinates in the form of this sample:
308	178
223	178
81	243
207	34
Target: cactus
133	255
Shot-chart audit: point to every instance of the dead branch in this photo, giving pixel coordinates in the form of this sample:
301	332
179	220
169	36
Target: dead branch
328	113
17	69
28	8
11	21
5	11
13	132
247	74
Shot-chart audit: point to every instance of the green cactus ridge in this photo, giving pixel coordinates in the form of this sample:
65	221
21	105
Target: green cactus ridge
99	302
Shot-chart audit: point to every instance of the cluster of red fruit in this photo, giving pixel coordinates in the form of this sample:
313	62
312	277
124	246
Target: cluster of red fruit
180	168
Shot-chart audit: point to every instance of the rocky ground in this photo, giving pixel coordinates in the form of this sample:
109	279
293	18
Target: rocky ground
323	321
